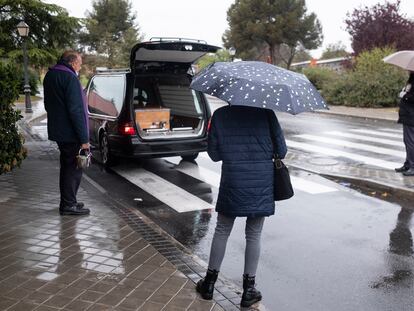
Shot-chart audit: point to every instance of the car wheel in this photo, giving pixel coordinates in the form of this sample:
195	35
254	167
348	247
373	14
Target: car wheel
190	157
107	158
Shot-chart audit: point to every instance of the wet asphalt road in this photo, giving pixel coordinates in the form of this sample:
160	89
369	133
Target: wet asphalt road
328	249
339	250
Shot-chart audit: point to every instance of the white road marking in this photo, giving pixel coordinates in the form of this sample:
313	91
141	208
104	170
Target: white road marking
338	153
206	175
349	144
398	143
372	132
310	186
204	155
391	130
213	178
168	193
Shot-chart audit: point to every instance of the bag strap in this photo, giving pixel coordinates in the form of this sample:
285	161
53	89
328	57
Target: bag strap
272	137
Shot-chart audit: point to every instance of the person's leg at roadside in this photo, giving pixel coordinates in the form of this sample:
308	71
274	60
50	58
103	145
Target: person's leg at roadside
406	165
409	145
218	248
254	227
69	180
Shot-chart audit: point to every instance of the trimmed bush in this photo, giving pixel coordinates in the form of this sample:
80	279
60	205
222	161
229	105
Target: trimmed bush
12	151
372	83
319	76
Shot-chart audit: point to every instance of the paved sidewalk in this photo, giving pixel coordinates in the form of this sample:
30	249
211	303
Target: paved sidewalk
114	259
390	114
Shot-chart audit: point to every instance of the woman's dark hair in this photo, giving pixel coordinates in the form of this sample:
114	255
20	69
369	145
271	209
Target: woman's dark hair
69	56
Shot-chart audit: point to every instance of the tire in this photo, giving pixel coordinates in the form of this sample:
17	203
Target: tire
190	157
107	158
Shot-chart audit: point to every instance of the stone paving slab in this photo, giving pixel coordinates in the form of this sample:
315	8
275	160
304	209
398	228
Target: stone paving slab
106	261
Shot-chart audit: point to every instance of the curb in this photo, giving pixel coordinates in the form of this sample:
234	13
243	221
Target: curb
358	116
363	182
35	119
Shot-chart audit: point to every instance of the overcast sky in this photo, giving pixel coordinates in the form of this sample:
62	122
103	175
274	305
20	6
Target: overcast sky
206	19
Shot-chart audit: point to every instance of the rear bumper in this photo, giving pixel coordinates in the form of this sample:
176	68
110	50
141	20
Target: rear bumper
132	147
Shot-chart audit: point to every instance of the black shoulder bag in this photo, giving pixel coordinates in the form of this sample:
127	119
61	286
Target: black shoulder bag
282	186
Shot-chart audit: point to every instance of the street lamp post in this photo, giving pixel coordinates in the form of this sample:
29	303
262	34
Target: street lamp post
232	52
23	30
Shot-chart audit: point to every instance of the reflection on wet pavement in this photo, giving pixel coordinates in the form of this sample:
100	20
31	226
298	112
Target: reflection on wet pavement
400	255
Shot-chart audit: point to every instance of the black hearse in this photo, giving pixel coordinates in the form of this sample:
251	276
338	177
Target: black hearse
148	110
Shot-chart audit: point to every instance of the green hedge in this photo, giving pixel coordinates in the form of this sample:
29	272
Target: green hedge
371	83
12	151
319	76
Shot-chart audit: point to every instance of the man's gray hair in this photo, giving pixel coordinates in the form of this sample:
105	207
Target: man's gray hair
70	56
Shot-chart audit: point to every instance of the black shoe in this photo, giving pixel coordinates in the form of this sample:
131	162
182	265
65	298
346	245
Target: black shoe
78	205
402	169
206	286
250	294
409	172
73	210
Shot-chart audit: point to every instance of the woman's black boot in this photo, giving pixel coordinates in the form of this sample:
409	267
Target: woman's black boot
250	294
206	286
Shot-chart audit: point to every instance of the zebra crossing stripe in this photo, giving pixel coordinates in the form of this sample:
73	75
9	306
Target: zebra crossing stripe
338	153
168	193
391	130
349	144
397	143
372	132
196	171
213	178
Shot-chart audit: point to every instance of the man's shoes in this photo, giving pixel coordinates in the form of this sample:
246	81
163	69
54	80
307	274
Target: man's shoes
409	172
402	169
74	210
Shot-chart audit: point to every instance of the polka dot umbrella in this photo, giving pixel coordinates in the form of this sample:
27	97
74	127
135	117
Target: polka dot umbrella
259	84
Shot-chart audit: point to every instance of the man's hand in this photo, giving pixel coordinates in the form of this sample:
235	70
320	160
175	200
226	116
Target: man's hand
85	146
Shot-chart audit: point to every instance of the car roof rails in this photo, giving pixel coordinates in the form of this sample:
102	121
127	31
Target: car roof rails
111	70
174	39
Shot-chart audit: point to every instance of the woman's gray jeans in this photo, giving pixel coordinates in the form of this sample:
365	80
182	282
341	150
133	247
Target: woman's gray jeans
253	232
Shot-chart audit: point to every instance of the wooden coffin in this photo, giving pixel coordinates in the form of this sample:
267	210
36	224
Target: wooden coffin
153	118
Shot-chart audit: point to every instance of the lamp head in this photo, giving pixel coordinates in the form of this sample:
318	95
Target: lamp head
23	29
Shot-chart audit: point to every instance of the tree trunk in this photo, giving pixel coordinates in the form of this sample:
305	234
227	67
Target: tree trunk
272	53
291	56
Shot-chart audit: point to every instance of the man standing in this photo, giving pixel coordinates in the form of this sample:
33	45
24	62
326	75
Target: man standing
406	117
67	124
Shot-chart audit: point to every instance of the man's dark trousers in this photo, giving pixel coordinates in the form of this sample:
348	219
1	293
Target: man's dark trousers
70	175
408	132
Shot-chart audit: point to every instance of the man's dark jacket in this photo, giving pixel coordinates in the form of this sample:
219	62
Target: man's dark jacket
240	137
64	105
406	112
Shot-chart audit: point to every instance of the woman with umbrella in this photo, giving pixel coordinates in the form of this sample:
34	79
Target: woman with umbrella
406	117
245	137
240	137
405	60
